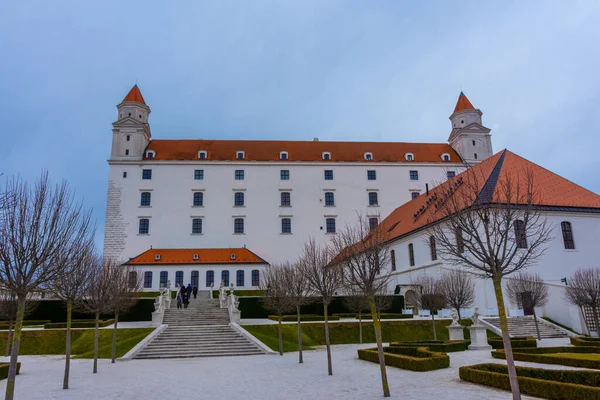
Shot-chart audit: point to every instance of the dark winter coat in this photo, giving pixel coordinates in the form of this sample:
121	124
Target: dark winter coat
195	290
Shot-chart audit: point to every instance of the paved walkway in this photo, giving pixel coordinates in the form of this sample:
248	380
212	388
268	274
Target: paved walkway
249	377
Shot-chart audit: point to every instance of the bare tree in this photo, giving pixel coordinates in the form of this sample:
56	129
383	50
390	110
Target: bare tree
100	293
583	290
9	309
355	301
363	256
36	225
530	291
491	227
324	281
298	290
429	295
458	289
277	298
126	284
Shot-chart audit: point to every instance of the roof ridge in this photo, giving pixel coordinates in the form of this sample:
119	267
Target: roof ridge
487	192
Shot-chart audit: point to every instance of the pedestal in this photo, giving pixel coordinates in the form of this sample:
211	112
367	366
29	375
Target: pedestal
456	332
478	338
156	318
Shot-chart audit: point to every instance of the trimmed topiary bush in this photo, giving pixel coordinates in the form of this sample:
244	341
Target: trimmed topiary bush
436	345
80	323
569	356
585	341
381	316
56	311
516	342
31	322
303	317
538	382
4	369
412	358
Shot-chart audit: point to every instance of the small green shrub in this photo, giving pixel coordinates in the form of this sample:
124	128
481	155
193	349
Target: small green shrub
4	369
411	358
538	382
554	355
585	341
381	316
6	325
436	345
516	342
80	323
303	317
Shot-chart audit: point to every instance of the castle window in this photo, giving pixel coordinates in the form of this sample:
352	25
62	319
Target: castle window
198	200
240	155
145	199
238	199
150	154
326	156
195	279
239	277
286	199
239	174
520	234
432	248
255	277
202	155
567	234
450	174
147	279
284	174
225	277
197	225
329	199
460	242
198	174
128	138
368	156
409	157
393	259
328	174
473	143
146	174
132	279
210	278
127	152
371	175
164	278
373	222
286	225
411	254
445	157
283	155
178	278
373	198
462	121
124	174
414	195
330	225
144	228
129	115
238	225
414	175
475	156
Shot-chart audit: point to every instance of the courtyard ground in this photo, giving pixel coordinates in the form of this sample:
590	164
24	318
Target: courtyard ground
250	377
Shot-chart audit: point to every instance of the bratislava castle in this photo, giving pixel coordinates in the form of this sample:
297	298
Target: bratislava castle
206	211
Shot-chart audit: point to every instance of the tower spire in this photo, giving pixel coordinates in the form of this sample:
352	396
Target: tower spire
134	95
463	103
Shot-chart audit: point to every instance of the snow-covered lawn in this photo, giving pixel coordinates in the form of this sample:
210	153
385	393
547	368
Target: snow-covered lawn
248	378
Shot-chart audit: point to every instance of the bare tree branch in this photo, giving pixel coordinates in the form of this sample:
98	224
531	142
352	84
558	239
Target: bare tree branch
297	286
458	289
583	290
277	298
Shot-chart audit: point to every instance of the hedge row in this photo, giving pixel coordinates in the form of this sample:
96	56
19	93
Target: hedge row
411	358
538	382
585	341
381	316
81	323
4	369
303	317
553	355
436	345
516	342
252	307
28	322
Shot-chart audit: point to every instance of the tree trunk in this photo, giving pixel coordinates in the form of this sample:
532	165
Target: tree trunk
510	362
327	343
9	338
96	343
360	327
114	341
377	326
300	360
68	345
280	337
537	327
458	312
433	323
14	356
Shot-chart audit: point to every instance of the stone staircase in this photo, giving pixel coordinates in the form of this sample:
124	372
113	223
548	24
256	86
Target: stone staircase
201	330
525	326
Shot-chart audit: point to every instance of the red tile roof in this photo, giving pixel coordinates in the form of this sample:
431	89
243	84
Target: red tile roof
551	191
205	256
268	150
463	103
134	95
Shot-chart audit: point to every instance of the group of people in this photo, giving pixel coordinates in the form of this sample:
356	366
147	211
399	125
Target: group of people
184	294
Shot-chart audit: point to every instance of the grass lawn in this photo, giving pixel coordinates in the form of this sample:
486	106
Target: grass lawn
313	334
52	341
579	356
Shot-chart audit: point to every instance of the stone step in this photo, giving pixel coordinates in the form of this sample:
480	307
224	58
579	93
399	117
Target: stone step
178	348
198	355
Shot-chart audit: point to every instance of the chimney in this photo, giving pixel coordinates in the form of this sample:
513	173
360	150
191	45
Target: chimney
427	188
316	139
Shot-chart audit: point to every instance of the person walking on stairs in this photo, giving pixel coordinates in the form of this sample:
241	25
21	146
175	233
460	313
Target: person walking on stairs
179	301
185	298
189	291
195	291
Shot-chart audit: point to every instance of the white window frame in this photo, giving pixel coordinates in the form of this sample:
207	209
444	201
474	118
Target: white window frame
203	152
326	153
368	156
409	157
445	155
282	153
149	152
243	155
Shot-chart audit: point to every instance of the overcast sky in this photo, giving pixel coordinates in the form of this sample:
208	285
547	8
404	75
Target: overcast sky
337	70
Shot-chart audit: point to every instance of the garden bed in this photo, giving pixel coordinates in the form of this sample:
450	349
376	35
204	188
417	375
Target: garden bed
303	318
585	341
4	369
436	345
516	342
412	358
577	356
6	324
548	384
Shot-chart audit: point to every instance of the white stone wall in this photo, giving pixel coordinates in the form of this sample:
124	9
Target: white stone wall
173	183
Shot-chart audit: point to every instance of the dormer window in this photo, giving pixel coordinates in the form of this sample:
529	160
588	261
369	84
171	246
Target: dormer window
409	157
283	155
240	155
368	156
445	157
232	256
157	257
195	256
202	154
326	156
150	154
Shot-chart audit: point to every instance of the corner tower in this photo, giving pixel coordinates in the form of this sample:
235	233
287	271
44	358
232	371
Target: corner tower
131	131
471	140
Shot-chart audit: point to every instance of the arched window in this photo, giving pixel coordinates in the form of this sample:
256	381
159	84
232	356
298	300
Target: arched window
409	156
144	228
520	234
238	225
286	199
239	278
145	199
178	278
238	199
202	154
445	157
329	199
326	155
198	199
393	259
368	156
460	243
210	278
195	279
147	279
225	277
197	225
567	234
164	278
283	155
150	154
255	277
132	279
240	155
411	254
286	225
432	248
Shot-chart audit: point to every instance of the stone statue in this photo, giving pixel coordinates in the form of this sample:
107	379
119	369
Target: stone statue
475	317
454	316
